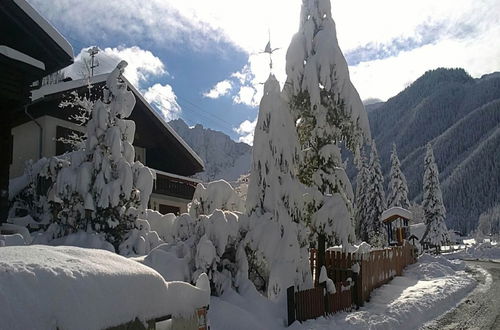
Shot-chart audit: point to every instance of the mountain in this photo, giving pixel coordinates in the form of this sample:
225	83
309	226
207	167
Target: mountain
460	116
223	158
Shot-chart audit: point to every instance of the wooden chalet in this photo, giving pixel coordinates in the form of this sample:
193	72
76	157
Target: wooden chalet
30	48
157	145
396	220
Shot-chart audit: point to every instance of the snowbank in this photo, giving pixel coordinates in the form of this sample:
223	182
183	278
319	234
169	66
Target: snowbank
43	287
427	289
481	251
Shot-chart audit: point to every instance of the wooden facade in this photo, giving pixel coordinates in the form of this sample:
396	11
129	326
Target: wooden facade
157	145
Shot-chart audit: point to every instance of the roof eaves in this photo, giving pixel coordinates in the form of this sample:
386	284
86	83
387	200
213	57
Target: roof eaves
46	26
166	125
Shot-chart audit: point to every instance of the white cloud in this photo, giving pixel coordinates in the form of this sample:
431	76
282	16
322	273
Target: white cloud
164	99
220	89
246	95
246	24
142	64
246	130
474	55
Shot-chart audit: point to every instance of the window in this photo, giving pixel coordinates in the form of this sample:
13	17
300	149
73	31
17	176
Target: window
164	209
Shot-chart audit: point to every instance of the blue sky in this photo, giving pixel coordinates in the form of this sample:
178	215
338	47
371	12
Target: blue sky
198	60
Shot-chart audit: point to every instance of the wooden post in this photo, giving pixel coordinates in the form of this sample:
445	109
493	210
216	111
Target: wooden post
290	298
325	297
320	255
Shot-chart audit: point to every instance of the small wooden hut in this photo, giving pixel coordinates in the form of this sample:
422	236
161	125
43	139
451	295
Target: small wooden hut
396	220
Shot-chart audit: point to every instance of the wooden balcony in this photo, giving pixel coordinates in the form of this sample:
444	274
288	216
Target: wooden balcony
174	186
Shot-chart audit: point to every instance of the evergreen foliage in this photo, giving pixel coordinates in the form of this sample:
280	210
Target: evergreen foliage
98	187
361	197
436	232
329	114
398	189
460	115
274	199
372	230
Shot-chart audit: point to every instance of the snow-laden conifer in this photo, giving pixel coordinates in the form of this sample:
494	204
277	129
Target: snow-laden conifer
99	187
436	232
277	243
398	189
372	230
329	113
361	196
274	158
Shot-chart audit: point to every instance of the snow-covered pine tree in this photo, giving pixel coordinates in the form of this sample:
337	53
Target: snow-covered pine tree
99	187
274	158
361	196
372	230
329	113
398	189
274	199
436	232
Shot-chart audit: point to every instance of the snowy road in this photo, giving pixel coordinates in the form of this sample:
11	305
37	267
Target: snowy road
481	309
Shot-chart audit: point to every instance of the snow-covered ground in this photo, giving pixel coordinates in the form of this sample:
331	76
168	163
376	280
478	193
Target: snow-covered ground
481	251
45	287
427	289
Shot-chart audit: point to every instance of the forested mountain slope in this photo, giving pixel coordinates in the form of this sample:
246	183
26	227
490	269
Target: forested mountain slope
460	116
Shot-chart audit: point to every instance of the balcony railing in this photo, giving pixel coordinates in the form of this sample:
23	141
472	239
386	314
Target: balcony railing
172	186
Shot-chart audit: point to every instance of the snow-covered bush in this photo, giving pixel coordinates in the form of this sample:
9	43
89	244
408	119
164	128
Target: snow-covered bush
214	195
99	187
210	244
489	223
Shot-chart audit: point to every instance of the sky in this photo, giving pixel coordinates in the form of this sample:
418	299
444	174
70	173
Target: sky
201	60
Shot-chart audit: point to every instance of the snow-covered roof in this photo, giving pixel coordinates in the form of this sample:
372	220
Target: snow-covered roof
167	126
66	85
176	176
396	212
73	84
45	26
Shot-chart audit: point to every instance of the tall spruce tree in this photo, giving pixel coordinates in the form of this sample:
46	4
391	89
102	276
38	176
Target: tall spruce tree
361	195
372	230
274	200
436	232
275	158
329	115
398	189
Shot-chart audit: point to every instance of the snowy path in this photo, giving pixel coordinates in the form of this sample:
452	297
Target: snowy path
428	289
481	309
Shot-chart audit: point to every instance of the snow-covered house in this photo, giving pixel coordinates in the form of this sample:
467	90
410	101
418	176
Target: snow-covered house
37	133
396	220
30	48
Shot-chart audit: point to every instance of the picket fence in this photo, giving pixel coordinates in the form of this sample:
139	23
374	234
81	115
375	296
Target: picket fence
355	276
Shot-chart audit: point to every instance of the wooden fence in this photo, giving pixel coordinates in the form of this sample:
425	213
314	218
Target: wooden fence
380	266
355	276
316	302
